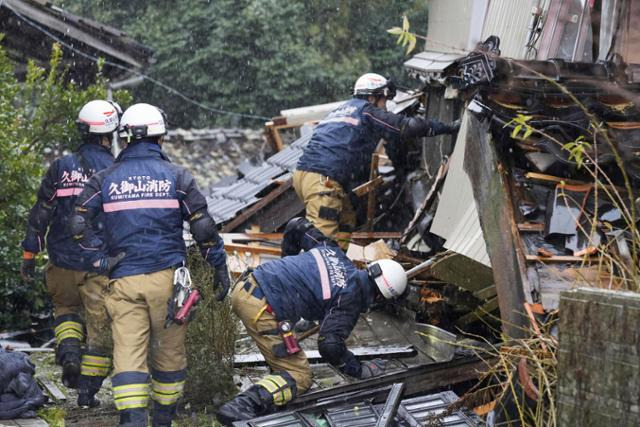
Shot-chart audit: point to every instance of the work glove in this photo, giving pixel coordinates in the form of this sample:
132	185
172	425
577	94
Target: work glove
293	233
221	281
372	368
454	126
105	264
28	267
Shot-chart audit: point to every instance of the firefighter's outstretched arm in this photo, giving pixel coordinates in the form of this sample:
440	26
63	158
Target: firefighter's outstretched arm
399	126
204	231
38	222
334	331
300	234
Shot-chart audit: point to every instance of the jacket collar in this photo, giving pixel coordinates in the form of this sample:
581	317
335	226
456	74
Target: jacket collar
142	150
367	290
92	147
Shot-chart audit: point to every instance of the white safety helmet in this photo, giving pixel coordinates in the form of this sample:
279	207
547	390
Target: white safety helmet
374	84
141	121
99	117
389	276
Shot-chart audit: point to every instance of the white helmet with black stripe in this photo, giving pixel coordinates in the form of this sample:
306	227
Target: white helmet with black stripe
389	276
142	121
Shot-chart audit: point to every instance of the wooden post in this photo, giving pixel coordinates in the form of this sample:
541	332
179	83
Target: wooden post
371	201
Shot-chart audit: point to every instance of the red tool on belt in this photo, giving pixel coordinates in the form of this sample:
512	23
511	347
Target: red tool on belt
290	344
184	299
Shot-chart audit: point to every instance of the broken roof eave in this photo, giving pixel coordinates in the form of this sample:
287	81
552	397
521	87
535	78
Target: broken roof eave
66	24
430	66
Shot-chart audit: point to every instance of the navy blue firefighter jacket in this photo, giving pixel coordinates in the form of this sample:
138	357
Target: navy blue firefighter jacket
145	199
342	144
61	185
320	284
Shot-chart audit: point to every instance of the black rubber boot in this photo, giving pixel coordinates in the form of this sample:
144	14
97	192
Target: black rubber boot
254	402
135	417
162	415
87	388
69	354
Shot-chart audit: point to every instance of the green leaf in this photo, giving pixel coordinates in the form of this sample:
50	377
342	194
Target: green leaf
412	43
516	131
405	23
395	31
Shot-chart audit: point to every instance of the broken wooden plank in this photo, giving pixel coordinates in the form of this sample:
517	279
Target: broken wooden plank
24	422
558	258
33	349
417	379
368	186
559	180
371	235
250	236
357	235
531	227
266	200
51	388
313	356
371	201
266	250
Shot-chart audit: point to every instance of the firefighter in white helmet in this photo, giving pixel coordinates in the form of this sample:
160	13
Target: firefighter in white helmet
321	284
338	156
76	292
144	200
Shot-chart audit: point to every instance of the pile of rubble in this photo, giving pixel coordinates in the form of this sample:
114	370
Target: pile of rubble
211	154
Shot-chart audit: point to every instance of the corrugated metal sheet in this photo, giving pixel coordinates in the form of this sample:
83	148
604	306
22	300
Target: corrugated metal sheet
423	410
509	20
226	201
456	218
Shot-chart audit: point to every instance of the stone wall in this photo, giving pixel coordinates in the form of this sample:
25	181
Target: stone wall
599	358
211	154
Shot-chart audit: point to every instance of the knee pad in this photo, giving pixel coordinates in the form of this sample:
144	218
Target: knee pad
281	386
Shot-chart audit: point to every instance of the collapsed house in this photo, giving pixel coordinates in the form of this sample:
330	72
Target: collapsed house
533	197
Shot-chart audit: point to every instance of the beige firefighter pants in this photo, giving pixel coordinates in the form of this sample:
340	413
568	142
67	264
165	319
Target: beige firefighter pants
260	325
138	308
325	201
72	293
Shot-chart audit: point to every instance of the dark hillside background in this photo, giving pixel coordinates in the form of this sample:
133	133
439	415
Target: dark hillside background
257	56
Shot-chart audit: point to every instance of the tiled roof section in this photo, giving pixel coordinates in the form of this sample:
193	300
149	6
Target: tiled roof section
226	201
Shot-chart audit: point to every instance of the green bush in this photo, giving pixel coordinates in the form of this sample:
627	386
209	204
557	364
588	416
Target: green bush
211	338
35	115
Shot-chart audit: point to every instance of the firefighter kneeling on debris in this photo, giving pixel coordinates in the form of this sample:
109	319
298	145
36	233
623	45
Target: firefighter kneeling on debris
145	200
73	288
320	284
337	158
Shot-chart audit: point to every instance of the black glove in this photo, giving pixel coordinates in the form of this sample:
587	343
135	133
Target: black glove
104	265
372	368
454	126
28	269
293	232
221	281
